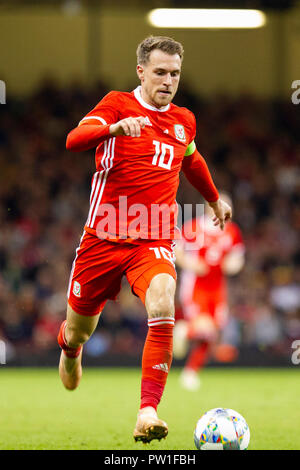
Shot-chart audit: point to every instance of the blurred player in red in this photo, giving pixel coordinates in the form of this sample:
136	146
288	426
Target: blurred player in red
142	142
206	256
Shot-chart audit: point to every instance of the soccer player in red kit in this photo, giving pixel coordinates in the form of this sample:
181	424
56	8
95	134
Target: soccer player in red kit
142	141
206	256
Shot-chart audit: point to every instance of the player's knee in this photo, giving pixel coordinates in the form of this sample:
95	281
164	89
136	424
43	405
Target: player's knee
159	299
76	337
161	307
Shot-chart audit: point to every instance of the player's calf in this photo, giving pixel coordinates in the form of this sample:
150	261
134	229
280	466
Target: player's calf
73	333
157	354
70	369
69	350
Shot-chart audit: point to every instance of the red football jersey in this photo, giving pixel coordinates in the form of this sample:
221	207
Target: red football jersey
211	245
136	179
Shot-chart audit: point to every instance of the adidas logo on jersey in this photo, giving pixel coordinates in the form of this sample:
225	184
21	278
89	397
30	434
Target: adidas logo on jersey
147	121
163	367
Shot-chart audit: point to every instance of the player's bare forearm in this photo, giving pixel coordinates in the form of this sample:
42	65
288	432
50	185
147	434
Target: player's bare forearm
233	262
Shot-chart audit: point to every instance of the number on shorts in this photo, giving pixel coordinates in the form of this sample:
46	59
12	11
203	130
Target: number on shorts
162	252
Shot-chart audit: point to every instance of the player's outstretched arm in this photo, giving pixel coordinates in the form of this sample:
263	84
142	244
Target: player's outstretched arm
233	262
86	136
89	135
196	170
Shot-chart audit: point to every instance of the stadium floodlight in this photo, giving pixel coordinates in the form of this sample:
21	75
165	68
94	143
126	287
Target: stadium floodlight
206	18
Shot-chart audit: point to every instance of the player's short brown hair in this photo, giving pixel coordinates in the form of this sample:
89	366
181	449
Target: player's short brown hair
163	43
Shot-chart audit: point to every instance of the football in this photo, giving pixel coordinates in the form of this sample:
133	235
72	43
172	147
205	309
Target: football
222	429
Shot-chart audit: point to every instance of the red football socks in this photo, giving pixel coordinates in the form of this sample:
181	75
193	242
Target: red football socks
68	351
157	359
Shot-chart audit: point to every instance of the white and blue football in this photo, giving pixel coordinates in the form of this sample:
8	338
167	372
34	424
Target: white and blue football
222	429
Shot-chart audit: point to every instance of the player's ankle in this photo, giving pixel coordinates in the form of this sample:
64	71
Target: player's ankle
147	410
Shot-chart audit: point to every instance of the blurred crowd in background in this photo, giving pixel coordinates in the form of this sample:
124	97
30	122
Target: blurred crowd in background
252	147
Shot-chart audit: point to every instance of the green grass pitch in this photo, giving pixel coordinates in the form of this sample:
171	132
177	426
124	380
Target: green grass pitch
38	413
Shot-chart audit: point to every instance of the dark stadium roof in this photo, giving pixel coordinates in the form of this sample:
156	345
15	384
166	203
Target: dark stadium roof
262	4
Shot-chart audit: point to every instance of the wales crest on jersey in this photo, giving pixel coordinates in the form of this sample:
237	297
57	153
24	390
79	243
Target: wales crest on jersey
179	132
77	289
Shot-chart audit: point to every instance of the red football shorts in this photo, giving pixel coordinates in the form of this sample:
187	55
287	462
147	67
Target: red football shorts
208	303
99	266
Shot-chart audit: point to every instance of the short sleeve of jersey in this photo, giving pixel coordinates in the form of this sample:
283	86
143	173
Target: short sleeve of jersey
106	111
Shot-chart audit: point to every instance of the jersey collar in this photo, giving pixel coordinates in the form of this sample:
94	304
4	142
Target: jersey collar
137	94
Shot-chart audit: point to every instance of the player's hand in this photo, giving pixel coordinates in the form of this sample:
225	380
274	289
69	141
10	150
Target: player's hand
222	211
130	126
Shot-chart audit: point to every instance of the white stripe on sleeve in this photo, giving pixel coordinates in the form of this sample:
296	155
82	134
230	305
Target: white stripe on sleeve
93	117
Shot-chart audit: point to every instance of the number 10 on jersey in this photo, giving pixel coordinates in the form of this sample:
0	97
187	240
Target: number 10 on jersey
164	155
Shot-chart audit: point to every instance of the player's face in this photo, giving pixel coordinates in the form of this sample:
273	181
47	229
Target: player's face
159	78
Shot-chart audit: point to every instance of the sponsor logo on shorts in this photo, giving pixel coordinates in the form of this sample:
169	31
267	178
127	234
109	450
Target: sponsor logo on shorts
161	252
77	289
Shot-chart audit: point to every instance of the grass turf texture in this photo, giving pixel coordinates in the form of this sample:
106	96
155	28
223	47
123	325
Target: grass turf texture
38	413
